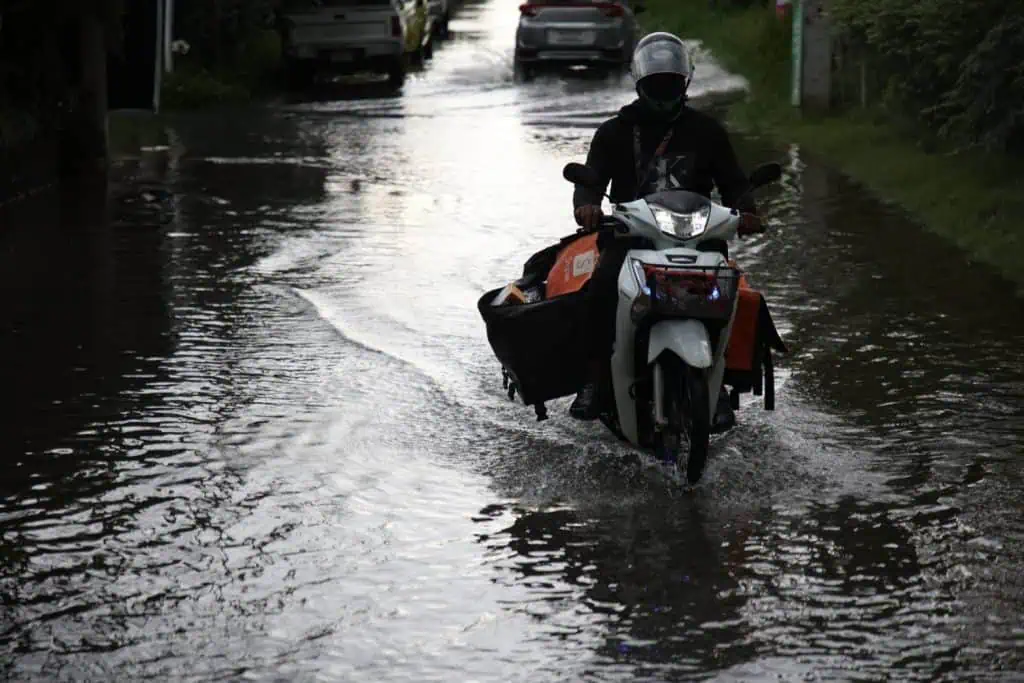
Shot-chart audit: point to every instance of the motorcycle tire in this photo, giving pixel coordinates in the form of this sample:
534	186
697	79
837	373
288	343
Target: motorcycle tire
687	407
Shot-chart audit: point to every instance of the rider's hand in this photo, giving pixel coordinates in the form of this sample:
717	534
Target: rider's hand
589	216
750	224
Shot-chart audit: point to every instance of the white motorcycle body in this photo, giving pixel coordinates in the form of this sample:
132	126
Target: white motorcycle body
676	304
688	339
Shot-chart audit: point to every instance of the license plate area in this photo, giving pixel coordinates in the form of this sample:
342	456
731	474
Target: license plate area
571	37
342	56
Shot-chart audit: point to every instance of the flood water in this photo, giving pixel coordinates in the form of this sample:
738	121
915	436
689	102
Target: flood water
254	430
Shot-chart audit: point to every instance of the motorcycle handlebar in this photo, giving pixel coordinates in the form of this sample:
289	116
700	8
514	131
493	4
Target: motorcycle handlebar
607	223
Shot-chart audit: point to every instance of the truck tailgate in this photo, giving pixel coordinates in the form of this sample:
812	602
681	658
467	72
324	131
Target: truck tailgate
340	21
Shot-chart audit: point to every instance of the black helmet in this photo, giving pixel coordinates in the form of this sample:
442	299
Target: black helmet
662	69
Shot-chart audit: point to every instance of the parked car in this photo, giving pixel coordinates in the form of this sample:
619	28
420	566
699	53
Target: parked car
575	32
354	36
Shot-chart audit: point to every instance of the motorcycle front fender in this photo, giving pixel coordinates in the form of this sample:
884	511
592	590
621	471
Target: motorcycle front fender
688	339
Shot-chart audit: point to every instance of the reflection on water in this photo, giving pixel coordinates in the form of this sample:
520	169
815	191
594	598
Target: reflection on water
677	592
655	587
86	317
258	432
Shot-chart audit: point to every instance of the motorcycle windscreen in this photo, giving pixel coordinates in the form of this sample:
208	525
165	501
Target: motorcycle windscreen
679	201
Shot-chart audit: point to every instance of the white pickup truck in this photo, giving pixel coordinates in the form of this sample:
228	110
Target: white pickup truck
354	36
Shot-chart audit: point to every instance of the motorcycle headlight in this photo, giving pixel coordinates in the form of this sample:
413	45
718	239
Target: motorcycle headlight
682	225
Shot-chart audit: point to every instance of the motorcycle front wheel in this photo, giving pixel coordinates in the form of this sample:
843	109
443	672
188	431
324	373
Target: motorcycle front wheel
686	406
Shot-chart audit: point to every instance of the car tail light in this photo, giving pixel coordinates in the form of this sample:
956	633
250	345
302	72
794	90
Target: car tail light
611	9
396	27
528	10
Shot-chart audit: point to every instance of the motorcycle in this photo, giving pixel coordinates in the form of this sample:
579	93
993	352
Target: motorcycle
677	310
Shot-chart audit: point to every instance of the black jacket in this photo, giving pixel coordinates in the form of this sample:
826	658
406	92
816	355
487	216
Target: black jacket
698	157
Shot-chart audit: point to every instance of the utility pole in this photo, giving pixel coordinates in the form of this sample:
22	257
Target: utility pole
812	56
797	59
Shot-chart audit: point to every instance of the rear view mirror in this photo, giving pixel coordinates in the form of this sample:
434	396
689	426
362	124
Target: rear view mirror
578	174
765	173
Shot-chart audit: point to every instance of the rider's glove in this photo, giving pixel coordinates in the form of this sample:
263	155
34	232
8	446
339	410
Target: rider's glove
588	216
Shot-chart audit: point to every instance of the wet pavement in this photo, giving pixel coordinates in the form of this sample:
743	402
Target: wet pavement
255	431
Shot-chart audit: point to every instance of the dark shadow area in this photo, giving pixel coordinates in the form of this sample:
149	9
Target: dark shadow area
33	82
26	169
87	314
131	66
242	168
128	308
91	281
653	580
344	90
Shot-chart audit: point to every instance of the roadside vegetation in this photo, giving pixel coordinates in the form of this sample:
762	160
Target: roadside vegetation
229	51
927	111
39	100
46	119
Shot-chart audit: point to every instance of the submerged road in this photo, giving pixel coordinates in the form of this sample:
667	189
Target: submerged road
255	431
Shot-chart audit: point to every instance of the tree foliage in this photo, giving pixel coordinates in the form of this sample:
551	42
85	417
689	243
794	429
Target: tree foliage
37	43
220	31
956	66
39	39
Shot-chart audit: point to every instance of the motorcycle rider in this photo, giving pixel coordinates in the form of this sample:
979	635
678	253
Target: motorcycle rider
655	143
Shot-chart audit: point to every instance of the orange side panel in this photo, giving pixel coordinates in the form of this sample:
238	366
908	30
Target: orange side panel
573	267
740	353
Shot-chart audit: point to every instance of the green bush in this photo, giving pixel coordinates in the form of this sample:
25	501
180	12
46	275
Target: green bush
234	52
987	102
751	41
258	64
954	66
952	70
193	85
224	33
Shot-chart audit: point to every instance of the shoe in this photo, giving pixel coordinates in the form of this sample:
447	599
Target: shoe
725	418
585	407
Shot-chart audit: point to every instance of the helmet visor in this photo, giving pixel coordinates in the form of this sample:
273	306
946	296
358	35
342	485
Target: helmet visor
661	57
663	88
